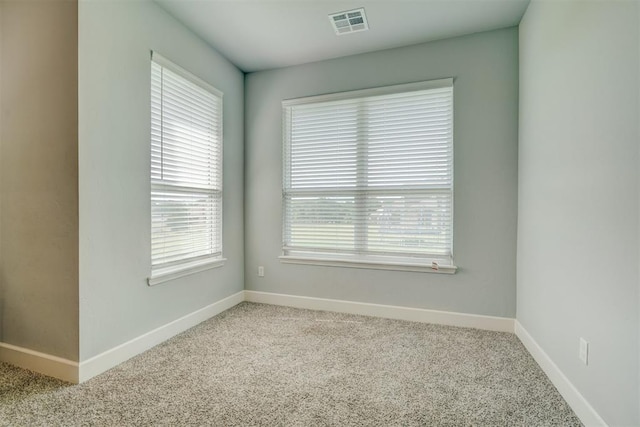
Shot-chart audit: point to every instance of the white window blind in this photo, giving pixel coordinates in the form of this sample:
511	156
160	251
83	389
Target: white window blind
368	175
186	168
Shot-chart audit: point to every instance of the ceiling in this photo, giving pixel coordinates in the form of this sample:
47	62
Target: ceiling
263	34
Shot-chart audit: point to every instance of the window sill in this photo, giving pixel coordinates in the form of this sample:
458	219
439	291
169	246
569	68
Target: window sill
167	274
373	265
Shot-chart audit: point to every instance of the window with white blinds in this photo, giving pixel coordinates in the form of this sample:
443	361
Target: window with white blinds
186	169
368	176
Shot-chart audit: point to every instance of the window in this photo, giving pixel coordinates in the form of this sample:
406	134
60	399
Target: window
186	173
368	178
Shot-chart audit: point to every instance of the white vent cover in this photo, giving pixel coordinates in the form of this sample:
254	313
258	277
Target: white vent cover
350	21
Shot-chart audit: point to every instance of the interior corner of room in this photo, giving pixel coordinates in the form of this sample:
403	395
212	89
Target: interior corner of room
546	232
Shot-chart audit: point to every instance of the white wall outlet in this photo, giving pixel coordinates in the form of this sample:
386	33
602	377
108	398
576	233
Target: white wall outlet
260	271
583	354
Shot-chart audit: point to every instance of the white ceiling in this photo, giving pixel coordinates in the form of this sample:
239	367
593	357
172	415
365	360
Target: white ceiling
263	34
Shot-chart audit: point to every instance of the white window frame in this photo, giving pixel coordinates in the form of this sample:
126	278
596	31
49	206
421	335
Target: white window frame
211	257
434	264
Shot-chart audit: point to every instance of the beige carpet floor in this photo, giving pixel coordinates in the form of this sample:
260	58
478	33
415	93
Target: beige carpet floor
261	365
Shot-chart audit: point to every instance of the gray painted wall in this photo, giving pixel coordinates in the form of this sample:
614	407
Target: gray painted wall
485	69
116	304
578	195
39	176
1	113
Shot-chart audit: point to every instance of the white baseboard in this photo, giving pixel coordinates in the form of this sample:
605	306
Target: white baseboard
43	363
569	392
501	324
113	357
75	372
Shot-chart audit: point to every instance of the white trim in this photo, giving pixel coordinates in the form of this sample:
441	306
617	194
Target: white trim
43	363
113	357
167	63
569	392
75	372
374	91
491	323
373	265
167	274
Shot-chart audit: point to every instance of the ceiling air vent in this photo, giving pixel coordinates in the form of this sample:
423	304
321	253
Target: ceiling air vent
350	21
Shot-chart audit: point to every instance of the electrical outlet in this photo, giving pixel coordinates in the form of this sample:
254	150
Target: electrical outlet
584	351
260	271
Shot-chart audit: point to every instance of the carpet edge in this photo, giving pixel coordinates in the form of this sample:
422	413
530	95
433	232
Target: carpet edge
43	363
104	361
582	408
477	321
